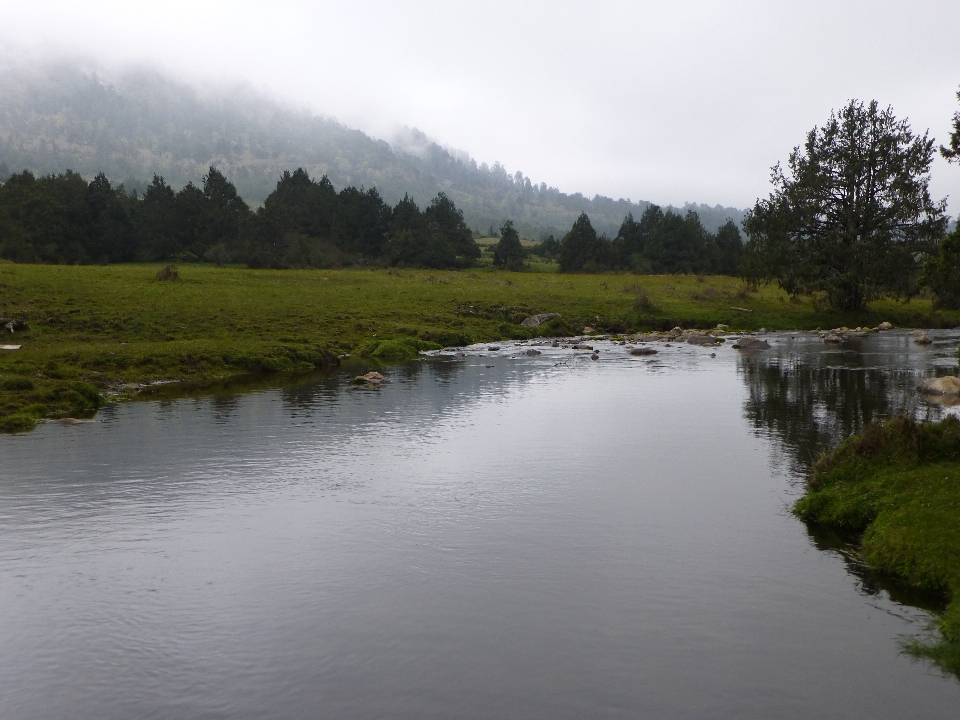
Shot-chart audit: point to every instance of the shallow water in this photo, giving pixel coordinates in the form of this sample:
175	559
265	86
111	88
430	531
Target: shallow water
490	536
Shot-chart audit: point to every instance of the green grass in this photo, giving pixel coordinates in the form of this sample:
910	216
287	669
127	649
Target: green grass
109	326
899	484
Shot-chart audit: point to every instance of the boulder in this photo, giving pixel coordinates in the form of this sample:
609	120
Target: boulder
532	353
538	320
587	330
884	326
700	339
493	348
832	338
13	325
580	346
595	357
642	351
752	343
921	338
371	379
946	385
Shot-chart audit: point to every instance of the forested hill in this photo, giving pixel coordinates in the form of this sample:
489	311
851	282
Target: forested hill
141	124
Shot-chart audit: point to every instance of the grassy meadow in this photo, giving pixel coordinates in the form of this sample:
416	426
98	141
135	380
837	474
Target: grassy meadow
96	331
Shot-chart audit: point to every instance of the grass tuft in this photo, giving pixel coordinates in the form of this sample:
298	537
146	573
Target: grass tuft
898	483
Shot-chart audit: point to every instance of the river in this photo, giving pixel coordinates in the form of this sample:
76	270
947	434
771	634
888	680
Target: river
494	535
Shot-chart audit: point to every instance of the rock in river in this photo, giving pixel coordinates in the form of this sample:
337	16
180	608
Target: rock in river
371	379
702	339
752	343
946	385
641	351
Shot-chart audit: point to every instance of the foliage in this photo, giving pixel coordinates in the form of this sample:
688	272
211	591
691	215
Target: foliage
899	483
509	254
941	274
853	217
659	242
581	250
303	223
548	248
952	153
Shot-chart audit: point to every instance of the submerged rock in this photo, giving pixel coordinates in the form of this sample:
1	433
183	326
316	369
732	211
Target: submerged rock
595	356
642	351
921	338
371	379
752	343
532	353
946	385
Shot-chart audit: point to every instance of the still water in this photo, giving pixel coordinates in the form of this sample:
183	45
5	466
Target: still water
489	536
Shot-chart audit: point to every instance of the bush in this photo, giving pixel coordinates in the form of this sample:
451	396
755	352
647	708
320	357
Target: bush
17	384
168	273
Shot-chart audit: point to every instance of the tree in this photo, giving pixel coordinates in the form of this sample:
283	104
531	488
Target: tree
580	248
509	253
730	246
853	216
952	153
941	274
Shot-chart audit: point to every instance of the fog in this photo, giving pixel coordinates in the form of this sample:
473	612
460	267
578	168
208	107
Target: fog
673	102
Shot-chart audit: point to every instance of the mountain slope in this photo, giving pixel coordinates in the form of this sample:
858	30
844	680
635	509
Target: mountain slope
140	123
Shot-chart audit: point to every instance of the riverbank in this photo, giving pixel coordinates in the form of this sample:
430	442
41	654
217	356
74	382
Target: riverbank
96	332
899	484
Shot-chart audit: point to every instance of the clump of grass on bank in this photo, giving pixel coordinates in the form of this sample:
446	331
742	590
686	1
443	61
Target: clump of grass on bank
899	484
117	324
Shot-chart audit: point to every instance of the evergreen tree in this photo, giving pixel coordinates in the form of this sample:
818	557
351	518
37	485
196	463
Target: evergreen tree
508	252
853	216
580	248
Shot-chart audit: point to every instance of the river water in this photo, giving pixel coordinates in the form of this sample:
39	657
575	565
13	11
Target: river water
489	536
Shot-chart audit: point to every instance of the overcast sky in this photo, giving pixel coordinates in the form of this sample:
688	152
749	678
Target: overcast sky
666	101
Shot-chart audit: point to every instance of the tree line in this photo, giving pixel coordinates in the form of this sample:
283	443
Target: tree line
304	222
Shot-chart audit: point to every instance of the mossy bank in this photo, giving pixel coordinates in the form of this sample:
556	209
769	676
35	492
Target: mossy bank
898	483
94	332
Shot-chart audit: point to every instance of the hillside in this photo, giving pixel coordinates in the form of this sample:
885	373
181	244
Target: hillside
140	123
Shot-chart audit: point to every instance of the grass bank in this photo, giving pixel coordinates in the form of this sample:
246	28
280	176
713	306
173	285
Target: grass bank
96	331
899	484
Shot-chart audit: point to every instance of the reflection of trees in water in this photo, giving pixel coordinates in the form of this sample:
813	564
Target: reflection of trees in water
307	392
811	403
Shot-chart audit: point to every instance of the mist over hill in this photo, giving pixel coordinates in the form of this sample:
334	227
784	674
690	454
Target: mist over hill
139	123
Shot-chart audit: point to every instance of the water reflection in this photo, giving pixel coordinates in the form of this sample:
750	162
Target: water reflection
808	396
482	537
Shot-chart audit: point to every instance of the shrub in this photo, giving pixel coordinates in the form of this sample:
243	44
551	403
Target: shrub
168	273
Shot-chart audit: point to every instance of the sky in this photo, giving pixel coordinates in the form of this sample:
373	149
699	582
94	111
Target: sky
664	101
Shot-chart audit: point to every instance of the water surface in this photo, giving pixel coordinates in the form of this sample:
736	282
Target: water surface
489	536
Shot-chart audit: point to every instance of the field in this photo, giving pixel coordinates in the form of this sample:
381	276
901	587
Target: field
97	331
